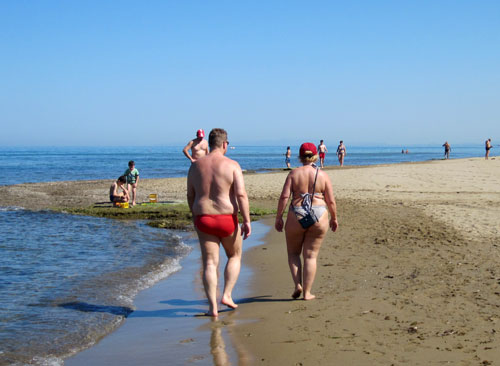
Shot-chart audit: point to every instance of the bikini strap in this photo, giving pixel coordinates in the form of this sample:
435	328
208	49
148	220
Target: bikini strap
308	197
315	178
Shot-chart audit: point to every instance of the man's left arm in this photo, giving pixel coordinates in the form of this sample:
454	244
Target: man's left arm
242	198
190	190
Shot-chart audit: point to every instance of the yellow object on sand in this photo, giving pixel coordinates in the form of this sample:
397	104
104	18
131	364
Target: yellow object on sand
123	204
153	198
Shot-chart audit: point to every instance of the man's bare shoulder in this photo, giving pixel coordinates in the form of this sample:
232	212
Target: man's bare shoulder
234	163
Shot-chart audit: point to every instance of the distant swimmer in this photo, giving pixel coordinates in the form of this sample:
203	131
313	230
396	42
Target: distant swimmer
447	149
288	155
322	153
487	146
215	194
341	152
198	147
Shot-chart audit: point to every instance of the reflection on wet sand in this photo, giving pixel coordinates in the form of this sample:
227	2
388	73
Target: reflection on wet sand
218	344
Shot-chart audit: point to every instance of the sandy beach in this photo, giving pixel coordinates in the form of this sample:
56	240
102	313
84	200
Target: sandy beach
411	277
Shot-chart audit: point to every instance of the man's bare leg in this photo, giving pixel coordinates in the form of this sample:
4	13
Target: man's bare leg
233	248
209	245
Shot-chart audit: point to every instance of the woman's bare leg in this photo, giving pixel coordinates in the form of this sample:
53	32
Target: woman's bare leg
294	234
312	243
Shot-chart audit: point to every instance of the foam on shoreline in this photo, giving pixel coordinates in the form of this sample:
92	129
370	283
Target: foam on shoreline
166	325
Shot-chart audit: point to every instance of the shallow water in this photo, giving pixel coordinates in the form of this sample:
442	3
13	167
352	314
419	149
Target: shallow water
66	281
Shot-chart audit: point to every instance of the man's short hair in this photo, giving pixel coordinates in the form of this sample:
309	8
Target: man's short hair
217	137
122	179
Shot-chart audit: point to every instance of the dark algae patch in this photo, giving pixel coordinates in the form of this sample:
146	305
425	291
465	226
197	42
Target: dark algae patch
162	215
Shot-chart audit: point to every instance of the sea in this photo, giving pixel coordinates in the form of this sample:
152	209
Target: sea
66	281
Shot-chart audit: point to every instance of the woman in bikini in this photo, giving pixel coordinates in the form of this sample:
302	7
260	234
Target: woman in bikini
341	152
300	184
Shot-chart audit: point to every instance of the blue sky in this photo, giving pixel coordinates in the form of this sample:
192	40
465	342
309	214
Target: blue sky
269	72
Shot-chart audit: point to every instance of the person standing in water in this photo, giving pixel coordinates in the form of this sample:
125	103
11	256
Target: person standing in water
487	146
288	155
447	149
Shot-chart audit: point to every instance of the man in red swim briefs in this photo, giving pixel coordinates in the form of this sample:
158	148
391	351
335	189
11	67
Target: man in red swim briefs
322	153
215	193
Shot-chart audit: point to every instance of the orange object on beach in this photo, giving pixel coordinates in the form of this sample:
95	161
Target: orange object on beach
153	198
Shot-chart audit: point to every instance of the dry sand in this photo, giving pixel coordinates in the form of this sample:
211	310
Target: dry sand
411	277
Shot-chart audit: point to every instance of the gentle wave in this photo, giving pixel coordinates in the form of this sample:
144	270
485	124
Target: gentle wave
69	280
11	208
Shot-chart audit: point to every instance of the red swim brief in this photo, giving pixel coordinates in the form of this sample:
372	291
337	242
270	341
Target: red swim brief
321	155
218	225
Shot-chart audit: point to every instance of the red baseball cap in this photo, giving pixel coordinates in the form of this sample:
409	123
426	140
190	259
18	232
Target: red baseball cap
308	148
200	133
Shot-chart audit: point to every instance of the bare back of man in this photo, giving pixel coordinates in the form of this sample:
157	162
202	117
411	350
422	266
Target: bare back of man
216	192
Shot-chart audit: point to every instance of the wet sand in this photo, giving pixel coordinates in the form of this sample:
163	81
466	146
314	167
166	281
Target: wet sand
411	277
168	326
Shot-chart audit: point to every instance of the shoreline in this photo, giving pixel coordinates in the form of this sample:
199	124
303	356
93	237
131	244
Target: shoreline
60	195
411	276
168	324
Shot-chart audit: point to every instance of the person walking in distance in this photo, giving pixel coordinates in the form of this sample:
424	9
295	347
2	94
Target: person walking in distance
341	152
322	153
